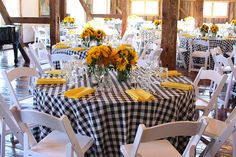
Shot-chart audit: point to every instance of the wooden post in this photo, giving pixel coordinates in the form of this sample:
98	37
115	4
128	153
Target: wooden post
63	5
169	33
54	21
199	13
124	10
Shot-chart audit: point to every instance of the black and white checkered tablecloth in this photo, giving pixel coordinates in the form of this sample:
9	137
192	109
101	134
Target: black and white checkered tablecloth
112	118
68	51
226	46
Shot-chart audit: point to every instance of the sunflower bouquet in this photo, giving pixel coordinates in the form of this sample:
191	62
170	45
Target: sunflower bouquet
123	58
204	29
99	56
214	29
157	23
233	22
89	32
69	20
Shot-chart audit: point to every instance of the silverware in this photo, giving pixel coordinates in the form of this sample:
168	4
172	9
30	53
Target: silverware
90	98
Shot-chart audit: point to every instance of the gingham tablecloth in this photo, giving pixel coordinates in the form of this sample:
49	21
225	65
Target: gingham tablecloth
68	51
226	46
112	118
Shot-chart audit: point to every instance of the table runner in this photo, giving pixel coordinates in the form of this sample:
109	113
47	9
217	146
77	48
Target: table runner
112	118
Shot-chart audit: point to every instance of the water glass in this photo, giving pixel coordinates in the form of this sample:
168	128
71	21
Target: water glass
163	74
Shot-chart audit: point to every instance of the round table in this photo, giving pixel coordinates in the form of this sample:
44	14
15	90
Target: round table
226	46
112	118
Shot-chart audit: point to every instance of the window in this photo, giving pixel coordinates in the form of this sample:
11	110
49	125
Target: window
215	9
145	7
101	6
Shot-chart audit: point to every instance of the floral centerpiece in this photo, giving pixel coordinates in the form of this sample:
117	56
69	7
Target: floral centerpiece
69	20
233	22
90	34
157	23
123	57
204	29
99	56
214	29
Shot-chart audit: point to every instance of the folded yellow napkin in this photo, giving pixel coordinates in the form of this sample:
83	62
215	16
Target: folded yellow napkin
140	95
42	81
54	72
187	35
177	85
172	73
78	49
78	92
61	46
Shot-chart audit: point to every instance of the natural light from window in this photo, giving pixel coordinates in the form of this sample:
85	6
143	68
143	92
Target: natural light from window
101	6
77	13
215	9
145	7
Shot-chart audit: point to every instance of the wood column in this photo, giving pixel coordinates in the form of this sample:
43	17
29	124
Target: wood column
124	10
199	13
63	5
54	21
169	33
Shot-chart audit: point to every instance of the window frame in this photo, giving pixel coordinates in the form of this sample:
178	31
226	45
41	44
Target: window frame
145	14
212	9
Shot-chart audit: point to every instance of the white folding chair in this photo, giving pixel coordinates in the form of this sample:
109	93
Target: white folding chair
21	73
40	52
147	141
219	80
198	54
8	125
179	54
61	142
224	64
43	35
220	132
61	58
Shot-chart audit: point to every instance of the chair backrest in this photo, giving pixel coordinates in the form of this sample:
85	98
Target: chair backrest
202	43
8	119
34	61
233	54
171	129
224	136
60	57
39	50
17	73
24	117
219	81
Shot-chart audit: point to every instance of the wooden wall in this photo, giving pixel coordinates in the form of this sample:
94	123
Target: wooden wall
187	8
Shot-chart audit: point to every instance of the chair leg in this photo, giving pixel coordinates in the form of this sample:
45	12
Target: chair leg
228	91
3	128
190	64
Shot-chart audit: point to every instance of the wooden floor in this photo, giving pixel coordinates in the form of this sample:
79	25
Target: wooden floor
6	63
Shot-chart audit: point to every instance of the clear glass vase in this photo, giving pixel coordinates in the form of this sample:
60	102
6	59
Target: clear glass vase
123	75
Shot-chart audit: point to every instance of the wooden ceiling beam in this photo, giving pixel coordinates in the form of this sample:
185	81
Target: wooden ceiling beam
108	15
86	9
169	33
5	14
43	20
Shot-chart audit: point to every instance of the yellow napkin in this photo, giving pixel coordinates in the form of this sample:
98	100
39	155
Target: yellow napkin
172	73
54	72
42	81
78	49
177	85
61	46
78	92
187	35
139	95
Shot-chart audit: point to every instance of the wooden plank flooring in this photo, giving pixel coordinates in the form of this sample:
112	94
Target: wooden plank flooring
7	63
